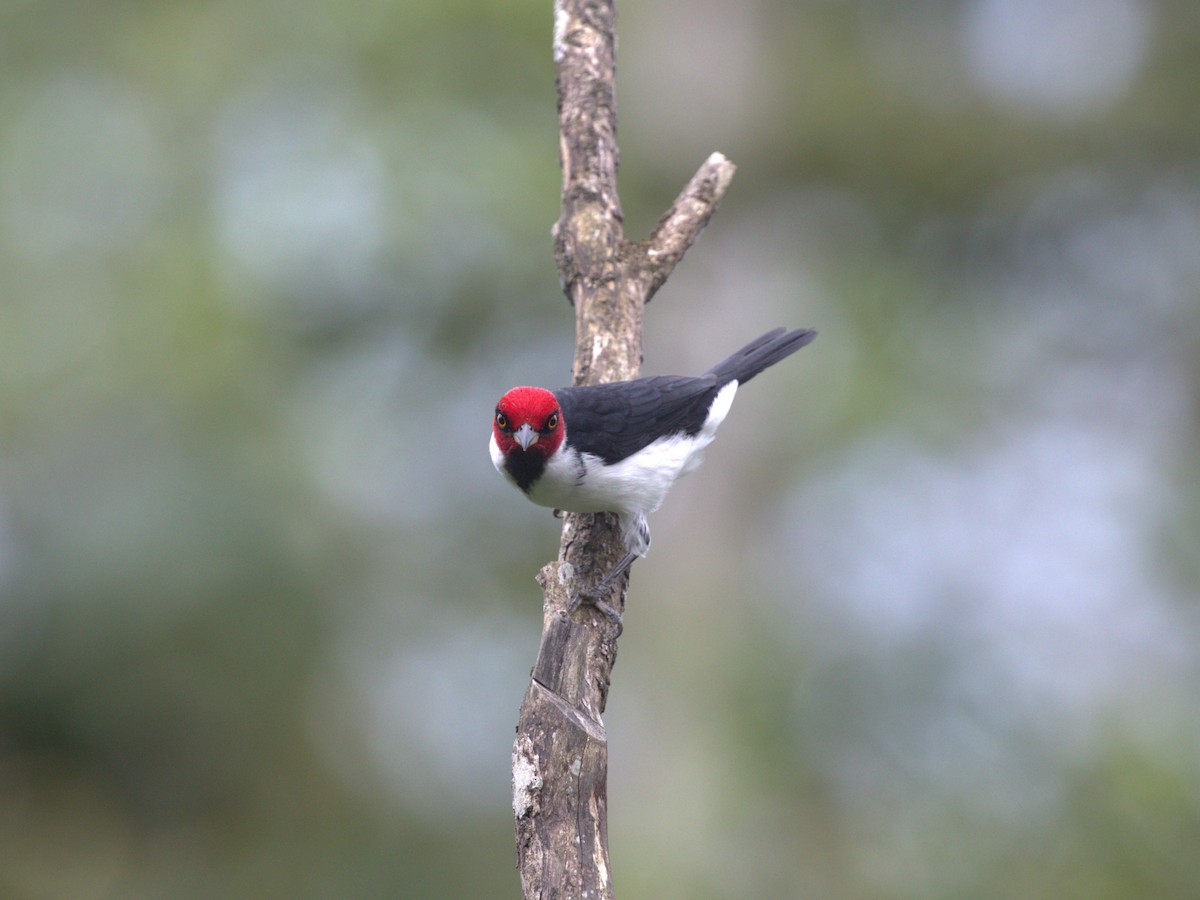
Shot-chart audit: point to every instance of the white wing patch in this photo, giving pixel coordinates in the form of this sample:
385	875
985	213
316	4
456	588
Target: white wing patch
719	409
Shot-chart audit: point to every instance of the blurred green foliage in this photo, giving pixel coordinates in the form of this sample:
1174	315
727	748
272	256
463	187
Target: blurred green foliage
925	625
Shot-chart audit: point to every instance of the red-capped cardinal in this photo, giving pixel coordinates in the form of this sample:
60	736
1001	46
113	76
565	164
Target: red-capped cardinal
619	447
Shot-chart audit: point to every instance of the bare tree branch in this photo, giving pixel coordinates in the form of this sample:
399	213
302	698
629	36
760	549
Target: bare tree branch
560	756
684	221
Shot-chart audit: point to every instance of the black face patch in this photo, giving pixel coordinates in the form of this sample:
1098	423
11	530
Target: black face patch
524	468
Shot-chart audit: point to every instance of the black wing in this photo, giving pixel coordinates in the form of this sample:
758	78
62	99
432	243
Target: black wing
614	421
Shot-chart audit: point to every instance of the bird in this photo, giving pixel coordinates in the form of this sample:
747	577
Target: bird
619	447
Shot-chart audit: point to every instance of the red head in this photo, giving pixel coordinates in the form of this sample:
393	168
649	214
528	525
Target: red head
528	420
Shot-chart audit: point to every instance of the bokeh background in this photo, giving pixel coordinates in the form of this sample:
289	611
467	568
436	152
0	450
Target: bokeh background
925	625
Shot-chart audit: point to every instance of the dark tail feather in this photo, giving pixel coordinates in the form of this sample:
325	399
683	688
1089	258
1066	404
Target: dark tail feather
761	353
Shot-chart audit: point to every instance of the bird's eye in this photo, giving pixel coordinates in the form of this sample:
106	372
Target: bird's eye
552	422
501	421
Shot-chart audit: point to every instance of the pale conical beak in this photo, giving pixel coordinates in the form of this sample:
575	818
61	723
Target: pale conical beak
525	436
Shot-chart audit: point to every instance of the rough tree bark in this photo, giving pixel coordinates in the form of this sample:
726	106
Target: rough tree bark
560	756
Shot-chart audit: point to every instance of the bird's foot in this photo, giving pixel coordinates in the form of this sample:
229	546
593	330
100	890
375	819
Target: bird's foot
591	598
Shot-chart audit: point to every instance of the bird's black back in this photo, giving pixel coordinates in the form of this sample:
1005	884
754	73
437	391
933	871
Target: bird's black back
613	421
